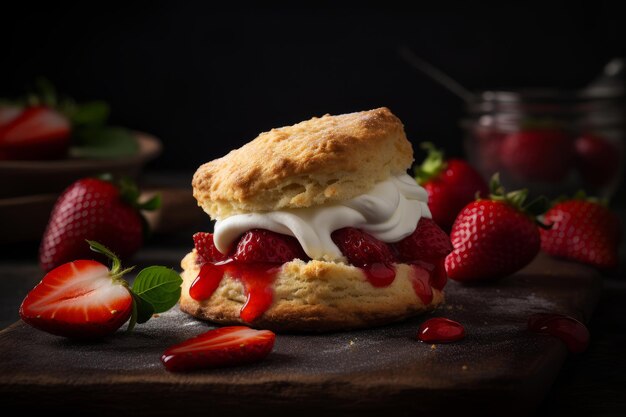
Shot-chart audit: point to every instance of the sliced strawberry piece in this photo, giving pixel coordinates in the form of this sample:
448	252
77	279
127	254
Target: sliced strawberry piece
226	346
427	243
259	245
205	248
79	299
36	133
362	248
8	114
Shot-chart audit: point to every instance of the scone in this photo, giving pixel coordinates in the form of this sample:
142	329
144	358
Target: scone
318	228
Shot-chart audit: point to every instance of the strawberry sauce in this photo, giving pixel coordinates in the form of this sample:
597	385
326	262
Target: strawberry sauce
440	330
422	284
571	332
379	274
425	277
257	280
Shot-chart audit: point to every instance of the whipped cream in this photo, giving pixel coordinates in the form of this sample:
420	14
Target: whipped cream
389	212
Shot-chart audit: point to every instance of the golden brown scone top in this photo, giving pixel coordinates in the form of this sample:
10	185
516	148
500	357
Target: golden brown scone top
325	159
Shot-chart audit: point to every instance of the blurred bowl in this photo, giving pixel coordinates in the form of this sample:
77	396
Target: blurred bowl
27	178
551	142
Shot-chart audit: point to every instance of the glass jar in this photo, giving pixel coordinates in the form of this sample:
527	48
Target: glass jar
551	142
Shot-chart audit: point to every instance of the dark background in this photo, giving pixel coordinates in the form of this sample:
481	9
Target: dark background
205	80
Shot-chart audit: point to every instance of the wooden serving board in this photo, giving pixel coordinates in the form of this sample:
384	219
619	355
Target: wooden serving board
499	368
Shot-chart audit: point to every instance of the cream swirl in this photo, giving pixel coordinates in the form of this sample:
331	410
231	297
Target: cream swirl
389	212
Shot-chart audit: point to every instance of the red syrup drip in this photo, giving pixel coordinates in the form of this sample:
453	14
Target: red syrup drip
571	332
422	284
257	280
426	276
439	276
440	330
379	274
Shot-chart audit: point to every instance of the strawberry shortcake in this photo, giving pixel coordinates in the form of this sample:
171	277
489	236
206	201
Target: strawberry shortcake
318	227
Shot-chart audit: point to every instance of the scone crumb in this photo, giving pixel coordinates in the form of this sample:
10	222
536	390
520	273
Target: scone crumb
464	367
433	347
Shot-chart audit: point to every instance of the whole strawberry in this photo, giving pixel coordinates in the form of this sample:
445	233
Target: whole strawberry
538	154
450	184
598	159
583	230
93	209
492	237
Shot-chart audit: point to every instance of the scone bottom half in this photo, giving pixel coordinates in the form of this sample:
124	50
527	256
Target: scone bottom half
266	279
252	285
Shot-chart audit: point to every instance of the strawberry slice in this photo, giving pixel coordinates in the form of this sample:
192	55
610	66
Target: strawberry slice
362	248
259	245
205	248
8	114
226	346
80	299
427	243
36	133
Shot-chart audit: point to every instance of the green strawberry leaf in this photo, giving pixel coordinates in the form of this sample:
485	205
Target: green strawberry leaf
144	309
116	268
129	192
92	113
432	166
104	142
151	204
159	286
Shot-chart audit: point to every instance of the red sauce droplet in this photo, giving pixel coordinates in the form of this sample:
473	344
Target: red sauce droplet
571	332
439	276
257	280
379	274
440	330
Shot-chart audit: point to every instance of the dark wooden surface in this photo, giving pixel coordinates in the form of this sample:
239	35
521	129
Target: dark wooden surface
499	368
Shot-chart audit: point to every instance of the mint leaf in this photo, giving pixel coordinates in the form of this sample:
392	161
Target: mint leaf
159	286
104	142
92	113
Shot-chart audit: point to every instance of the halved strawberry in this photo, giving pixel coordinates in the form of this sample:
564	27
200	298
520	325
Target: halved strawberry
8	114
259	245
362	248
80	299
36	133
427	243
225	346
205	248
